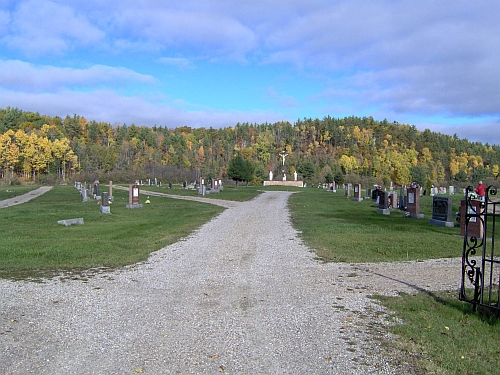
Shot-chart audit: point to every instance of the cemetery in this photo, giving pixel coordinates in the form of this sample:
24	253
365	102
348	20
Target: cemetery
317	213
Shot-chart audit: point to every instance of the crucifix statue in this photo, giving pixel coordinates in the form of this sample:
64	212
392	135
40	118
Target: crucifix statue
283	155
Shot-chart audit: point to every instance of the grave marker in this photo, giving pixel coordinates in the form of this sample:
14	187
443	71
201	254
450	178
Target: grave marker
475	226
383	207
357	193
442	214
413	202
104	207
134	200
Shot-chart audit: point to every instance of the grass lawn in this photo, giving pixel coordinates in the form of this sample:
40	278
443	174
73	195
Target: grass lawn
7	192
230	193
441	335
34	244
339	229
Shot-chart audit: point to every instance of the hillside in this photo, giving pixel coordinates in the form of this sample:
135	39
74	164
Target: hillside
34	145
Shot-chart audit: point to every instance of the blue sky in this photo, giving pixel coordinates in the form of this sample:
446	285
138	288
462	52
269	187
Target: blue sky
433	64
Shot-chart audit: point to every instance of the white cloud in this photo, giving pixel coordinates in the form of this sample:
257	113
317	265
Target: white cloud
206	33
15	74
39	27
106	105
474	131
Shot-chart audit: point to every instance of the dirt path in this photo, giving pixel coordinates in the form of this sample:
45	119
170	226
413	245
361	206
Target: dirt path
242	295
24	197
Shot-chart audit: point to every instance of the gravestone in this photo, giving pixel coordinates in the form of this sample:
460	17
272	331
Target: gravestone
110	191
347	188
368	193
68	222
383	207
84	194
104	207
451	190
357	193
413	203
442	214
201	189
475	226
96	190
134	200
394	199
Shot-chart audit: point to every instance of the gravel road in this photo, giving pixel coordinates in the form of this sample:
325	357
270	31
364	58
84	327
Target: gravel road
241	295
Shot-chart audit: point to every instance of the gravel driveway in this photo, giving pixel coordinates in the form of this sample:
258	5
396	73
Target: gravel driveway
242	295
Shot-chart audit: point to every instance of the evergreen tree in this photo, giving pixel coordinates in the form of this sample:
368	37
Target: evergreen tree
237	169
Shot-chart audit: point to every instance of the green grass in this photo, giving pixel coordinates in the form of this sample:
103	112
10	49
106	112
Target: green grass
443	335
7	192
339	229
33	244
230	193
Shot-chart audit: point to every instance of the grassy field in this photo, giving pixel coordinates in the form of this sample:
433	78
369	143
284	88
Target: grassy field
7	192
33	244
346	231
230	193
441	335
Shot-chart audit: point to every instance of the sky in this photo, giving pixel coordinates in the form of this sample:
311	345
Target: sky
214	63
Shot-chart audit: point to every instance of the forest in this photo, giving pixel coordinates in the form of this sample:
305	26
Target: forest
36	148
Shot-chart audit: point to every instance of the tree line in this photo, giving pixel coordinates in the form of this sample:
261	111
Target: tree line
34	146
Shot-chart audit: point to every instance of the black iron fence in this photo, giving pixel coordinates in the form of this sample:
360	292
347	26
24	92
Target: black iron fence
480	264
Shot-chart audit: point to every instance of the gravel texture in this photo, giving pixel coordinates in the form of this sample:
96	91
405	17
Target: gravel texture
241	295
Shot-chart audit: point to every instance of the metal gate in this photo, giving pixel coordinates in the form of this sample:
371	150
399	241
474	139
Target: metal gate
480	265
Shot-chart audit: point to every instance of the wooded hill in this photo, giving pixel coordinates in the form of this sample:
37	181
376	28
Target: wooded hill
34	146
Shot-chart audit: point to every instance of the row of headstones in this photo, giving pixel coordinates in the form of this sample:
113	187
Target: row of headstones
201	186
408	199
87	191
106	198
442	212
149	182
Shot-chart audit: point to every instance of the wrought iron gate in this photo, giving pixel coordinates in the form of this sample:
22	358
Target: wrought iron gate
480	265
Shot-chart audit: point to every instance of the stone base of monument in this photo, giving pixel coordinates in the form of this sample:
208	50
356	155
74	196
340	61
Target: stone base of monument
384	211
104	209
357	199
417	216
139	205
441	223
283	183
